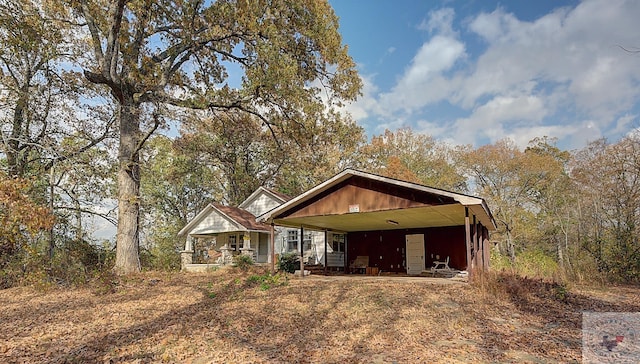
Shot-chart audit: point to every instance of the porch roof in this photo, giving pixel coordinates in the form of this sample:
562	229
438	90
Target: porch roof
359	201
217	218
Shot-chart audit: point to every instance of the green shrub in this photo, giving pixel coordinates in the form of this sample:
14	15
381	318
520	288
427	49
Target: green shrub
267	281
536	263
242	261
289	262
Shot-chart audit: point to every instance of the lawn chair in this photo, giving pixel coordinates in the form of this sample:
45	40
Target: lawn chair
441	266
360	264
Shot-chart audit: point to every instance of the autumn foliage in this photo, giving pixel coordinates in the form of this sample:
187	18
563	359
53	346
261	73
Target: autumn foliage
21	219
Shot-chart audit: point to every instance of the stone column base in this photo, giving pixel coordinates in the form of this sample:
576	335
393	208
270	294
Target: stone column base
186	257
227	255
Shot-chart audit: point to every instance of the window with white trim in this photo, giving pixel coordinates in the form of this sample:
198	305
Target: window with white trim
292	240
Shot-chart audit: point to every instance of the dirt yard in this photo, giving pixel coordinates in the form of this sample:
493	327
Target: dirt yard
229	316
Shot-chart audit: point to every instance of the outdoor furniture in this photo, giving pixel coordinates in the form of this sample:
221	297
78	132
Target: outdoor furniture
442	268
440	265
360	264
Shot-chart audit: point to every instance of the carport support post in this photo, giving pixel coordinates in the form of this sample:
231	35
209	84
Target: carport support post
272	248
301	242
474	258
467	229
326	235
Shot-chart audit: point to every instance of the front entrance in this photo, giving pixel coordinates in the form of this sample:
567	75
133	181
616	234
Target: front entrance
263	248
415	254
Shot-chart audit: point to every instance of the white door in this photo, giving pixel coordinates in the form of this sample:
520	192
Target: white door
415	253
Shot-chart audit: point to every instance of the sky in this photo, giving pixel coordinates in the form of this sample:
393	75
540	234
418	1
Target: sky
475	72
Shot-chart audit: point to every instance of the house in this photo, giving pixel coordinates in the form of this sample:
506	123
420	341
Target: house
390	225
219	232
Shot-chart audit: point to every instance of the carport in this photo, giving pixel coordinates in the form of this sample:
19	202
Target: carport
398	226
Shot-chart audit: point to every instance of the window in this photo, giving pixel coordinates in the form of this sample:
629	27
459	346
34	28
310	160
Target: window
232	242
307	241
337	244
292	240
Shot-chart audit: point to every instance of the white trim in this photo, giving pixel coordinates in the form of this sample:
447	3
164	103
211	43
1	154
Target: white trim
196	220
256	193
206	212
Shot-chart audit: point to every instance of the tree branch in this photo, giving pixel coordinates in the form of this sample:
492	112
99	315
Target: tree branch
94	31
156	124
108	218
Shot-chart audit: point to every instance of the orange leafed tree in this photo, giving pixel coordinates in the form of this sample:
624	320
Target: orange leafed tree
20	217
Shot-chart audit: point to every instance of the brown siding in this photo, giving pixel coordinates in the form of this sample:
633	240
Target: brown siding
390	245
369	195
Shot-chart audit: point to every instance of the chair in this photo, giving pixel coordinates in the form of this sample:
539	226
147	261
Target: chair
440	265
360	263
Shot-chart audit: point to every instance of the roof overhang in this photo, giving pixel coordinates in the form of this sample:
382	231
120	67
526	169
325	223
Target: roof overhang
452	214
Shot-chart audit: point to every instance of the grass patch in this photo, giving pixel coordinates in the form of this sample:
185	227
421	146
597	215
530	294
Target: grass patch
267	281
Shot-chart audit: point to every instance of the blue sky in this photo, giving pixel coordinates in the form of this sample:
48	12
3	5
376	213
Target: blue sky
474	72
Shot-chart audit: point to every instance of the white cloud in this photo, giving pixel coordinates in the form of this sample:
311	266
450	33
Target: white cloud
366	104
422	82
440	21
562	75
572	53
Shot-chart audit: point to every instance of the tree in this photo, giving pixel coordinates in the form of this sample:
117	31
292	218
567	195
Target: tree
174	188
413	157
151	53
608	177
241	154
329	146
30	83
553	196
21	220
508	178
45	124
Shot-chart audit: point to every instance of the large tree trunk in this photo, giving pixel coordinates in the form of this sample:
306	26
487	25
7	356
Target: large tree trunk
127	258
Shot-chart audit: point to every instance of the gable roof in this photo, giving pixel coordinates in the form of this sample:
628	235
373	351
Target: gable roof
447	212
280	197
241	219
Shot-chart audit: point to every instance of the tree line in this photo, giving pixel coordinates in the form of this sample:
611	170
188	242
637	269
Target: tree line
140	112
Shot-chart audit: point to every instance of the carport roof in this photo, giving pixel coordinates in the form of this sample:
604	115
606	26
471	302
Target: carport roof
445	209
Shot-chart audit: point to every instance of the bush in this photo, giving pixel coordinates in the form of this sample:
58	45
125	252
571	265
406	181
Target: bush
267	281
289	262
242	261
537	263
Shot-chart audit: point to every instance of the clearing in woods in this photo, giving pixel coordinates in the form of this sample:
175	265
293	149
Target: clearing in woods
235	316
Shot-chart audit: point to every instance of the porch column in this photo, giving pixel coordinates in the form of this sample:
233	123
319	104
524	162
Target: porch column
186	255
480	258
301	244
272	249
481	246
326	235
467	229
486	250
227	254
246	245
474	258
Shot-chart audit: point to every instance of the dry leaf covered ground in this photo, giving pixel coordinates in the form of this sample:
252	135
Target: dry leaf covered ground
228	317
